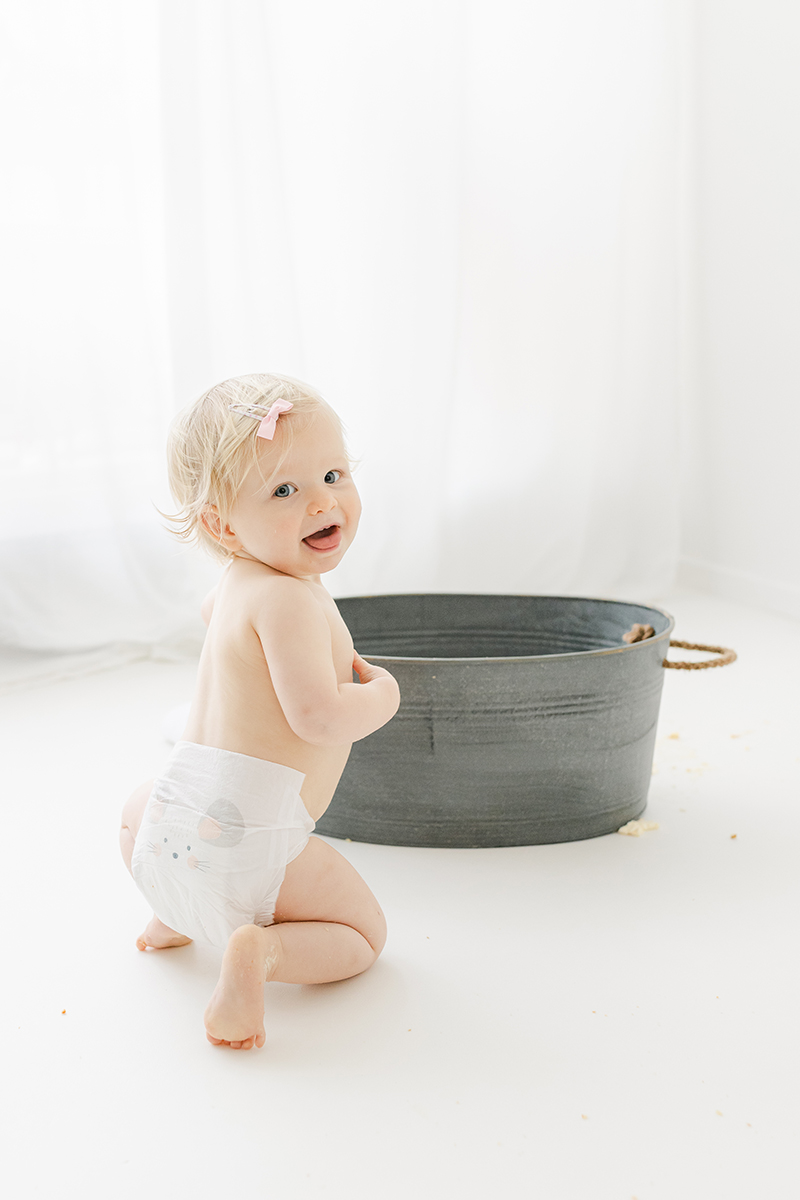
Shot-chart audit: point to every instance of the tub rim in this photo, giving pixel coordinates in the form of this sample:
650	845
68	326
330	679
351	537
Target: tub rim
520	658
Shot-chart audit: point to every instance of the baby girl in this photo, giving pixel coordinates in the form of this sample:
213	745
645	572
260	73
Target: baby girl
220	844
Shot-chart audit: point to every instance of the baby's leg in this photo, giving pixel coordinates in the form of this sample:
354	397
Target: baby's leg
157	935
132	814
328	926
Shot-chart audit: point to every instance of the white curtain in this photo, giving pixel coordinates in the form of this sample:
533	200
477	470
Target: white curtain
459	220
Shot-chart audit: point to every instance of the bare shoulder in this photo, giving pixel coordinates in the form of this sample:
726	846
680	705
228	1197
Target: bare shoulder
207	607
282	600
280	589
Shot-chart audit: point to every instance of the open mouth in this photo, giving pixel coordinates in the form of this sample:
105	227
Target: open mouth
325	539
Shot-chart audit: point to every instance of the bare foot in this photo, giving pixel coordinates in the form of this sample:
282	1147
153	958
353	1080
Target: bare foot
159	936
235	1013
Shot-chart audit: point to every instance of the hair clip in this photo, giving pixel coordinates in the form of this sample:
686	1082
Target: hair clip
267	416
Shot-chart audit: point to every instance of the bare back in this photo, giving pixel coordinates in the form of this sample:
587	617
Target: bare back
235	706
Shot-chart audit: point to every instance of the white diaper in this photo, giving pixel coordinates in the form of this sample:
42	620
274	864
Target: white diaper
216	837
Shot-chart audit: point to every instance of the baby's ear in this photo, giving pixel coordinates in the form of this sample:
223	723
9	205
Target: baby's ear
218	529
210	520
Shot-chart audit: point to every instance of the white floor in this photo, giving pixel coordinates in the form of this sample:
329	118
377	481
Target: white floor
601	1020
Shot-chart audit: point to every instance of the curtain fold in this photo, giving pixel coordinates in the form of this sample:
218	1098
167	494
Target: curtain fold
458	220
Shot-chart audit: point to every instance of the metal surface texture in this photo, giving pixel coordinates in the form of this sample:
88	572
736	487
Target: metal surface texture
523	720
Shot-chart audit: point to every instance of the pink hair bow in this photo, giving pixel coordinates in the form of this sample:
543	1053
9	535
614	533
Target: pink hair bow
268	426
267	416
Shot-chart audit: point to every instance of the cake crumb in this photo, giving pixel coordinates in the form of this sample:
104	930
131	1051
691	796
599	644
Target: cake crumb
674	737
637	828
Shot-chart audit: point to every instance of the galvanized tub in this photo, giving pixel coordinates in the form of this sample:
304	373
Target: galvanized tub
524	720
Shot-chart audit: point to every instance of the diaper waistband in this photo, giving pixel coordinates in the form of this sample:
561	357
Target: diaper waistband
192	767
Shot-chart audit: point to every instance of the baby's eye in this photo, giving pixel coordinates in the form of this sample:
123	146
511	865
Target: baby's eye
333	476
285	489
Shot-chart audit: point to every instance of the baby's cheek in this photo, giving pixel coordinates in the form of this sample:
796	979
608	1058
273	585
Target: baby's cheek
191	861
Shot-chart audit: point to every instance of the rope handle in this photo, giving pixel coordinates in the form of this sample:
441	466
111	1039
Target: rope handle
725	657
640	633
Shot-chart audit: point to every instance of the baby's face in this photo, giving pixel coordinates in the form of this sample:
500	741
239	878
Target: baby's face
304	517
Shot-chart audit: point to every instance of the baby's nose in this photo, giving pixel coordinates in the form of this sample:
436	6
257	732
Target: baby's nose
323	502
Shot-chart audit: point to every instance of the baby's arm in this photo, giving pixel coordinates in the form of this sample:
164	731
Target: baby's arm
296	640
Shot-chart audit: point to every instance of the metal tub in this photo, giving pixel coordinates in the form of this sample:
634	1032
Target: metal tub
523	720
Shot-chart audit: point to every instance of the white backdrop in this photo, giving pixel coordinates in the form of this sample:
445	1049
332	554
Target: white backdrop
461	221
741	434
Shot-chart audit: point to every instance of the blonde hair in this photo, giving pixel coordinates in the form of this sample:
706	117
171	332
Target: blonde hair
211	449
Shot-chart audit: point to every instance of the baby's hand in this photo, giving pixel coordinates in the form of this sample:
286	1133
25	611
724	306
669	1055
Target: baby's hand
366	672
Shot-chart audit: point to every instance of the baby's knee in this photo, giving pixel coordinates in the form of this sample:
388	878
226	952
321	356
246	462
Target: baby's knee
376	936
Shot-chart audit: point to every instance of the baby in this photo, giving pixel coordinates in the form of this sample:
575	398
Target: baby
220	844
